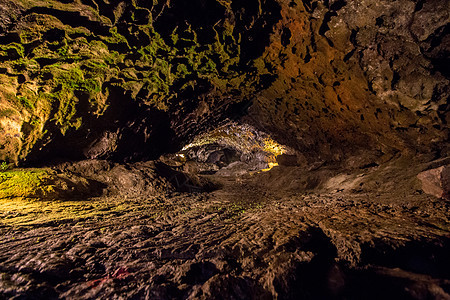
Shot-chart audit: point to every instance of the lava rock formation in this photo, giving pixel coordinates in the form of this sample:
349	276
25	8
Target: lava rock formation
224	149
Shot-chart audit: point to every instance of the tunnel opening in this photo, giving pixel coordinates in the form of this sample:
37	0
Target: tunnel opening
234	146
231	150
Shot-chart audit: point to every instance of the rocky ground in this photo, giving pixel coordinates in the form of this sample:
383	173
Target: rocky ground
288	233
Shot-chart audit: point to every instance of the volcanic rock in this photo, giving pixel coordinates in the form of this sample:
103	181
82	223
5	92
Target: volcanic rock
436	182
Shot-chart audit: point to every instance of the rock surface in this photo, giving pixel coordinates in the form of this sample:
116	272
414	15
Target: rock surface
286	234
436	182
134	79
352	74
349	97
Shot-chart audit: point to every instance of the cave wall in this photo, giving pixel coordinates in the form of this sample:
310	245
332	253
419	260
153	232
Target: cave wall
133	79
354	75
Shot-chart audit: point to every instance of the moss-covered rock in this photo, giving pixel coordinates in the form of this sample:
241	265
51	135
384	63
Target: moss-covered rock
46	184
25	183
61	60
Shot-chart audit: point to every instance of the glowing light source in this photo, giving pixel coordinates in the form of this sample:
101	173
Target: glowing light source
245	139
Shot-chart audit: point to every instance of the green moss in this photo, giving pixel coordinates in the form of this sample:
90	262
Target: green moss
207	66
29	183
115	38
182	70
70	71
189	35
12	51
174	36
113	58
96	66
24	65
63	50
28	36
68	80
150	51
4	166
26	103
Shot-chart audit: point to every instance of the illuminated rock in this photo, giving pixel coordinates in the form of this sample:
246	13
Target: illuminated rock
436	182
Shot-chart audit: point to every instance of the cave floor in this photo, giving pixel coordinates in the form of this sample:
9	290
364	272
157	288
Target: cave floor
251	238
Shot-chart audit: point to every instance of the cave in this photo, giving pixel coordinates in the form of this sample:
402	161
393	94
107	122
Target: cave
224	149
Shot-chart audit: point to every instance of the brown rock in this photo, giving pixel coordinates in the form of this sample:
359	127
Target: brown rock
436	182
288	160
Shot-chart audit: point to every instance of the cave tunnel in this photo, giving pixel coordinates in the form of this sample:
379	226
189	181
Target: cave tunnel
224	149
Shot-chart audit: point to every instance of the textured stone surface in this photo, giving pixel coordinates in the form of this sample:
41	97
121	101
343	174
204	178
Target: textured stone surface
352	74
436	182
328	78
286	234
74	73
357	90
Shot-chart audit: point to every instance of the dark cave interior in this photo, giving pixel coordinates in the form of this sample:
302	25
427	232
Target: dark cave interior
224	149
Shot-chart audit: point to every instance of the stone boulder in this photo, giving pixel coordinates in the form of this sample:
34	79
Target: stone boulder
436	182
